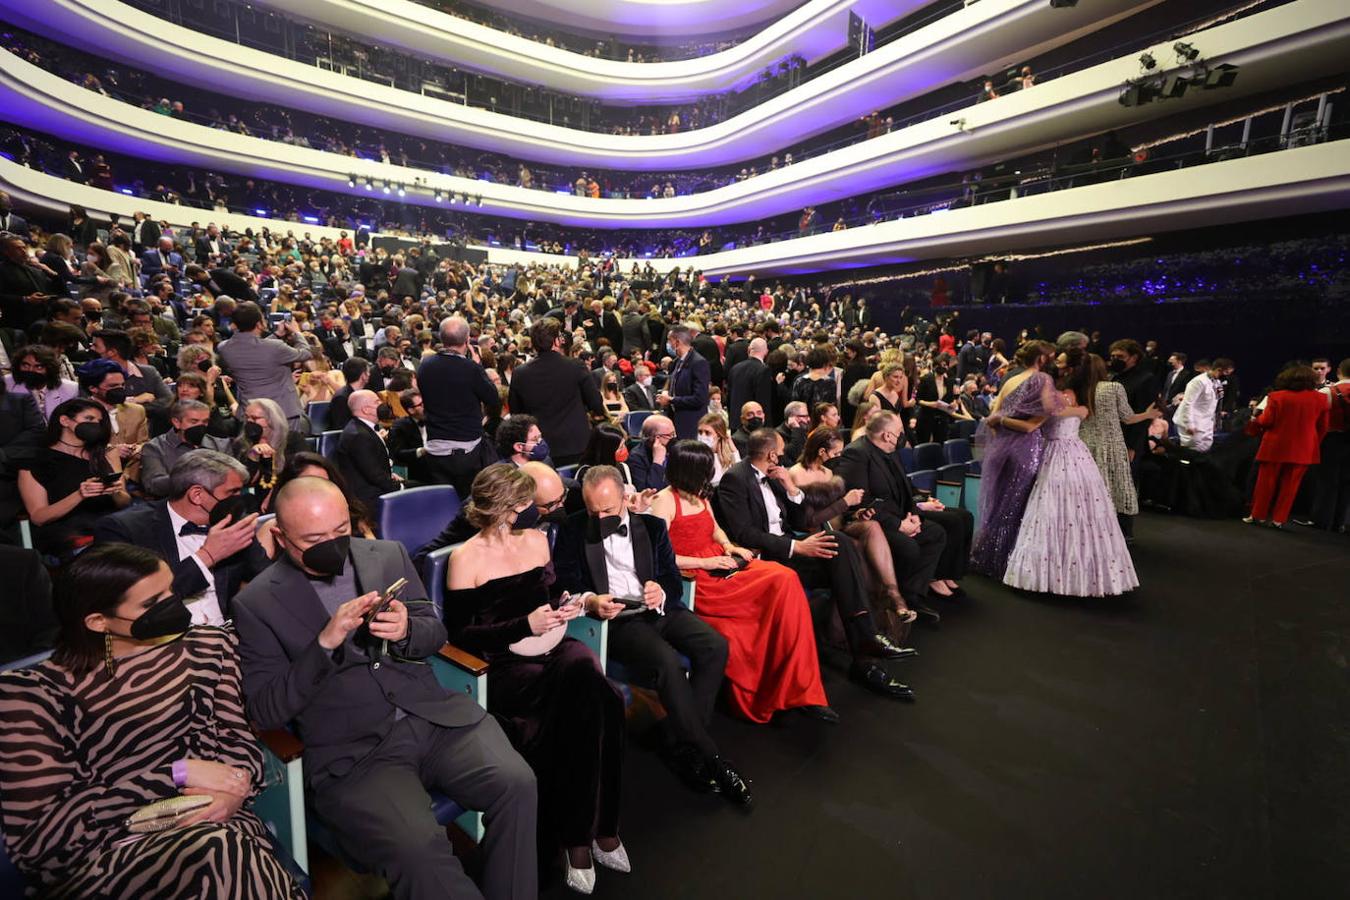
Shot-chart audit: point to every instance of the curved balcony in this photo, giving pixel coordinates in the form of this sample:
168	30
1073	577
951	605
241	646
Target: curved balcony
988	35
651	18
1288	45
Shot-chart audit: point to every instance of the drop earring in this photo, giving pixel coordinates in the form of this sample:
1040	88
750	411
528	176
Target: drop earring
107	654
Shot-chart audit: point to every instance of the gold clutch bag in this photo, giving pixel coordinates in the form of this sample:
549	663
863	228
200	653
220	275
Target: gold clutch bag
164	814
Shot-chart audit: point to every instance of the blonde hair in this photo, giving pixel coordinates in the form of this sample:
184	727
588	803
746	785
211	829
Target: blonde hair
725	449
495	494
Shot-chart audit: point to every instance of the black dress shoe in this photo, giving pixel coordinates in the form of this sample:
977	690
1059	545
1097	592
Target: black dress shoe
882	647
730	783
876	679
820	714
688	764
927	615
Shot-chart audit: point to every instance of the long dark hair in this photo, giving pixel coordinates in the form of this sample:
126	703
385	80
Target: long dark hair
1079	376
689	467
95	582
98	453
298	462
604	442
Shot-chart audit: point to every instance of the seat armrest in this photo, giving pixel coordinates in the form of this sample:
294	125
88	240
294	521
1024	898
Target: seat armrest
282	744
462	659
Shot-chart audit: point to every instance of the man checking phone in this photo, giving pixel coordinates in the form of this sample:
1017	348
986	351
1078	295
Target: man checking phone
379	730
622	564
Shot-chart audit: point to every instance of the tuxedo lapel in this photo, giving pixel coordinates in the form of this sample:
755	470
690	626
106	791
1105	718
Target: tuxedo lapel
595	558
751	476
642	548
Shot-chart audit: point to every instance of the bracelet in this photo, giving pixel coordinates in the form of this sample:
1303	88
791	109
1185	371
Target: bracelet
180	773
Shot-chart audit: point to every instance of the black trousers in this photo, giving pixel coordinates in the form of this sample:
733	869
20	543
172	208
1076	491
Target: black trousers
916	558
959	526
846	579
382	817
1331	482
649	645
459	469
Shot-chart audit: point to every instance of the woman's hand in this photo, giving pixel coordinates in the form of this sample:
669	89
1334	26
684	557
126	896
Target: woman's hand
545	619
218	778
714	563
222	809
262	450
91	487
742	552
854	497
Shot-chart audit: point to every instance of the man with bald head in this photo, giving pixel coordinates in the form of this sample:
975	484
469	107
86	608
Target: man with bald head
379	729
362	456
750	381
456	395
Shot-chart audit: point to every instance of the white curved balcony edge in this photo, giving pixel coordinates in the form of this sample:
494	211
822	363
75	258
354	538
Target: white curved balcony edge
650	18
1273	50
812	31
1289	182
988	35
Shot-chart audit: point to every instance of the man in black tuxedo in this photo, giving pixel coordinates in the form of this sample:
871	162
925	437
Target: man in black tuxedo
211	244
916	545
1175	381
738	348
379	729
200	531
750	380
408	437
144	233
362	456
221	282
760	508
705	346
356	374
640	395
568	315
25	290
612	551
22	437
685	398
557	391
27	620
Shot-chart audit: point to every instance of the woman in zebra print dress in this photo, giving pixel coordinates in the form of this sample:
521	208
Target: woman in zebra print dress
128	709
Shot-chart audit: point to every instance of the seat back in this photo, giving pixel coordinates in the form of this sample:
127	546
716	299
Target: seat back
948	493
907	458
924	480
568	471
415	516
957	450
318	416
928	455
434	567
955	473
964	428
632	423
328	442
970	497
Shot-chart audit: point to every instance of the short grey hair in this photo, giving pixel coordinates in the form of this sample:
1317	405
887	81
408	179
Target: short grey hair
186	406
596	474
455	331
203	468
681	333
796	408
1071	339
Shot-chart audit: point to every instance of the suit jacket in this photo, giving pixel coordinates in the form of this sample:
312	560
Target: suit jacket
688	389
19	280
737	352
407	283
863	465
1173	383
1293	425
363	460
706	346
262	368
646	474
405	439
749	380
745	518
17	224
638	397
579	556
148	525
224	283
636	336
148	237
558	392
202	248
151	264
22	433
342	703
339	413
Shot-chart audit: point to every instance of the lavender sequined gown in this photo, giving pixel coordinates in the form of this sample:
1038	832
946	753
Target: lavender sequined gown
1070	543
1007	472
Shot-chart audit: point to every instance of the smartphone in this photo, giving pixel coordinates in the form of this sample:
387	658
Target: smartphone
390	595
110	478
631	602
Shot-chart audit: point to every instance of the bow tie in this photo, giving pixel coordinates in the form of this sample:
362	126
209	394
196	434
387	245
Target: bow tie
192	528
620	530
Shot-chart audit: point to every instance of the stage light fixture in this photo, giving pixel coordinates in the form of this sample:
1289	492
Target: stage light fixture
1138	94
386	186
1185	52
1174	86
440	197
1221	76
478	200
351	181
370	185
1147	61
402	192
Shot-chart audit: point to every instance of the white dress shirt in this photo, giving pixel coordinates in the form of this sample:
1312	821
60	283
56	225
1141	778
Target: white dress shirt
771	505
205	606
621	567
1196	413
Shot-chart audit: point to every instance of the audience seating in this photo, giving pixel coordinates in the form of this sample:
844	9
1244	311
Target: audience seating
632	423
328	442
317	411
312	443
973	466
907	458
568	471
970	497
928	455
924	480
964	428
948	493
953	472
957	450
415	516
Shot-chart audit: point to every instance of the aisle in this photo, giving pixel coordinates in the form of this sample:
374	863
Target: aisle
1191	741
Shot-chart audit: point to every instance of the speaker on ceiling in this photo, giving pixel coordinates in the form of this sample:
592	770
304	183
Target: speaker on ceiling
1221	76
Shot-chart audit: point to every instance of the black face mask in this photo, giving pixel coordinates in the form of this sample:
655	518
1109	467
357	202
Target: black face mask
328	557
754	422
253	432
115	396
203	365
527	517
1116	365
384	412
166	617
93	433
230	506
194	435
604	526
31	380
833	462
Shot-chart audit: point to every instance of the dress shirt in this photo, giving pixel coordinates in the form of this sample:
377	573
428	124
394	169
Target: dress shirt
771	505
373	426
205	606
1197	412
622	569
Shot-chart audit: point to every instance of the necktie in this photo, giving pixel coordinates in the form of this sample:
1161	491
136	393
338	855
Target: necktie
190	528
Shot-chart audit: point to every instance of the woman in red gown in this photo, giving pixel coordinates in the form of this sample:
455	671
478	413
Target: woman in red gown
761	610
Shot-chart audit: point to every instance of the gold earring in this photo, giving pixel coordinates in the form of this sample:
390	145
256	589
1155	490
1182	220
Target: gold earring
107	654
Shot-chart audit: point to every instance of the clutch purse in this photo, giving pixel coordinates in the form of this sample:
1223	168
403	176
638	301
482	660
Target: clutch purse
165	814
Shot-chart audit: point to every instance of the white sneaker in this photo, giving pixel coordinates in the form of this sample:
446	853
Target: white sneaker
616	859
580	880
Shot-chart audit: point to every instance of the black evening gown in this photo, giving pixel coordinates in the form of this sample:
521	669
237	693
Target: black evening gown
558	709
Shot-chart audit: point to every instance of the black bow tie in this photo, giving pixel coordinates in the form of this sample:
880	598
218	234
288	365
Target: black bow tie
192	528
621	531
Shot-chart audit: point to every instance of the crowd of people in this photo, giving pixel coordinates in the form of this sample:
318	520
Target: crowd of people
718	471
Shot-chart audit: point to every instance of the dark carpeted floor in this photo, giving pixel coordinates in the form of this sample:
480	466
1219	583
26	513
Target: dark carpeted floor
1191	740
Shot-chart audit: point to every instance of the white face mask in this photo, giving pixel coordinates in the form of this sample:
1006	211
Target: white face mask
645	382
707	440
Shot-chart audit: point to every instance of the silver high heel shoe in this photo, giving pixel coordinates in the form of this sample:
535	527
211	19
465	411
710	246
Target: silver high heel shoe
616	859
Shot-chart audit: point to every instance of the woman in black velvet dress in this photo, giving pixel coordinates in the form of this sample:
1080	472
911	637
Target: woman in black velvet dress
547	690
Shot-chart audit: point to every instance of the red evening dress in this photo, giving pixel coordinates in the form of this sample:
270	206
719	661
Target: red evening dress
763	614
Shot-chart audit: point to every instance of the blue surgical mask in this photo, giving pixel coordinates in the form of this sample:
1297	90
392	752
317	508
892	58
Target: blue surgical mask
540	451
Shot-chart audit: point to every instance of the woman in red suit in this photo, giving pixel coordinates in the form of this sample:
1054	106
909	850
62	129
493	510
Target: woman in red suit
1292	426
761	610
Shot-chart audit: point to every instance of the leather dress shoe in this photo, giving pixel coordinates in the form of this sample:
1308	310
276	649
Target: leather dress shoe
730	783
876	679
820	714
882	647
688	765
927	615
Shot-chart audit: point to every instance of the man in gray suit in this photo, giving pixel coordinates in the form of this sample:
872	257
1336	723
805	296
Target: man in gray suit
379	730
262	367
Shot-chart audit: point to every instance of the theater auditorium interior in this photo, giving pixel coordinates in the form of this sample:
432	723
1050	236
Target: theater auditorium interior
723	449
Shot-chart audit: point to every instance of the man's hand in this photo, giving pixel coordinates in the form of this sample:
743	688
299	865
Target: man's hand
911	525
227	537
780	474
663	399
653	595
603	605
347	619
659	452
37	297
820	545
640	502
931	505
392	624
855	497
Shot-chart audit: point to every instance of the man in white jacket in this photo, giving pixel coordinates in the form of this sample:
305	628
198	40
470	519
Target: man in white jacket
1199	408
